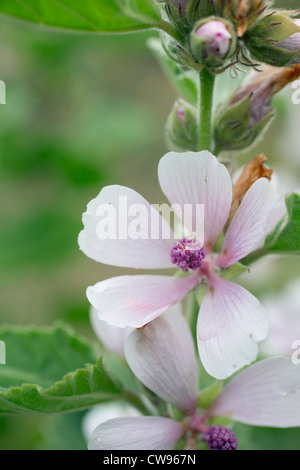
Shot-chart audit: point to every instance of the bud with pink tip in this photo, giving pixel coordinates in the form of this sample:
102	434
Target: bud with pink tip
181	128
213	41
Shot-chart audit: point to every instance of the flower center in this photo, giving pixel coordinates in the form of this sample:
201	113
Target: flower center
187	254
220	438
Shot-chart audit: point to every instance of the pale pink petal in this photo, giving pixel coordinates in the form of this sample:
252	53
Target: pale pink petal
198	178
112	337
162	356
144	433
101	413
136	300
265	394
107	235
250	224
231	321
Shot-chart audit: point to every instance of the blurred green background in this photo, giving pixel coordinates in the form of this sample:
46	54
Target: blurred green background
83	112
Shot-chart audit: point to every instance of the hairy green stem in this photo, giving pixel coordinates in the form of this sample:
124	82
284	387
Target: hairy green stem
205	107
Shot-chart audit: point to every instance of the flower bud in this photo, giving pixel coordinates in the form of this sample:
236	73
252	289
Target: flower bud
274	40
248	111
212	41
292	43
181	129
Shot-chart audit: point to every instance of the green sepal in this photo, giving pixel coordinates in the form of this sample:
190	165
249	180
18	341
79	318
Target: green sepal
209	394
200	292
234	271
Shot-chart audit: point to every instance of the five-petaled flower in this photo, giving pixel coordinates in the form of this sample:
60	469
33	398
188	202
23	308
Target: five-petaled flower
231	321
162	356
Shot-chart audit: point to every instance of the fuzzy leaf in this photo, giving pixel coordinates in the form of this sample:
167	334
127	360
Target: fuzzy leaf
36	376
285	238
97	16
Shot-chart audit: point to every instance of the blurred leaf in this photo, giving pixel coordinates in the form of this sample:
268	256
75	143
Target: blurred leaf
285	238
34	380
183	82
259	438
99	16
62	432
41	236
42	355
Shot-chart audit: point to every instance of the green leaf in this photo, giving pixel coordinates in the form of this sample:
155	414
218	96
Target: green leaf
183	82
285	238
36	377
97	16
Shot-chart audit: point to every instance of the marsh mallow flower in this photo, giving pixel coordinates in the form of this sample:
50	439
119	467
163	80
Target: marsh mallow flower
231	320
162	356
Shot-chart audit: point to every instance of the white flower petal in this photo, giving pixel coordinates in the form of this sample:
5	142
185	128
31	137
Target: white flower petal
144	433
162	356
112	337
136	300
265	394
118	248
101	413
198	178
231	321
250	224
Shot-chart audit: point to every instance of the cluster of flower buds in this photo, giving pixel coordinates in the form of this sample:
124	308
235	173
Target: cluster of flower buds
181	129
217	33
